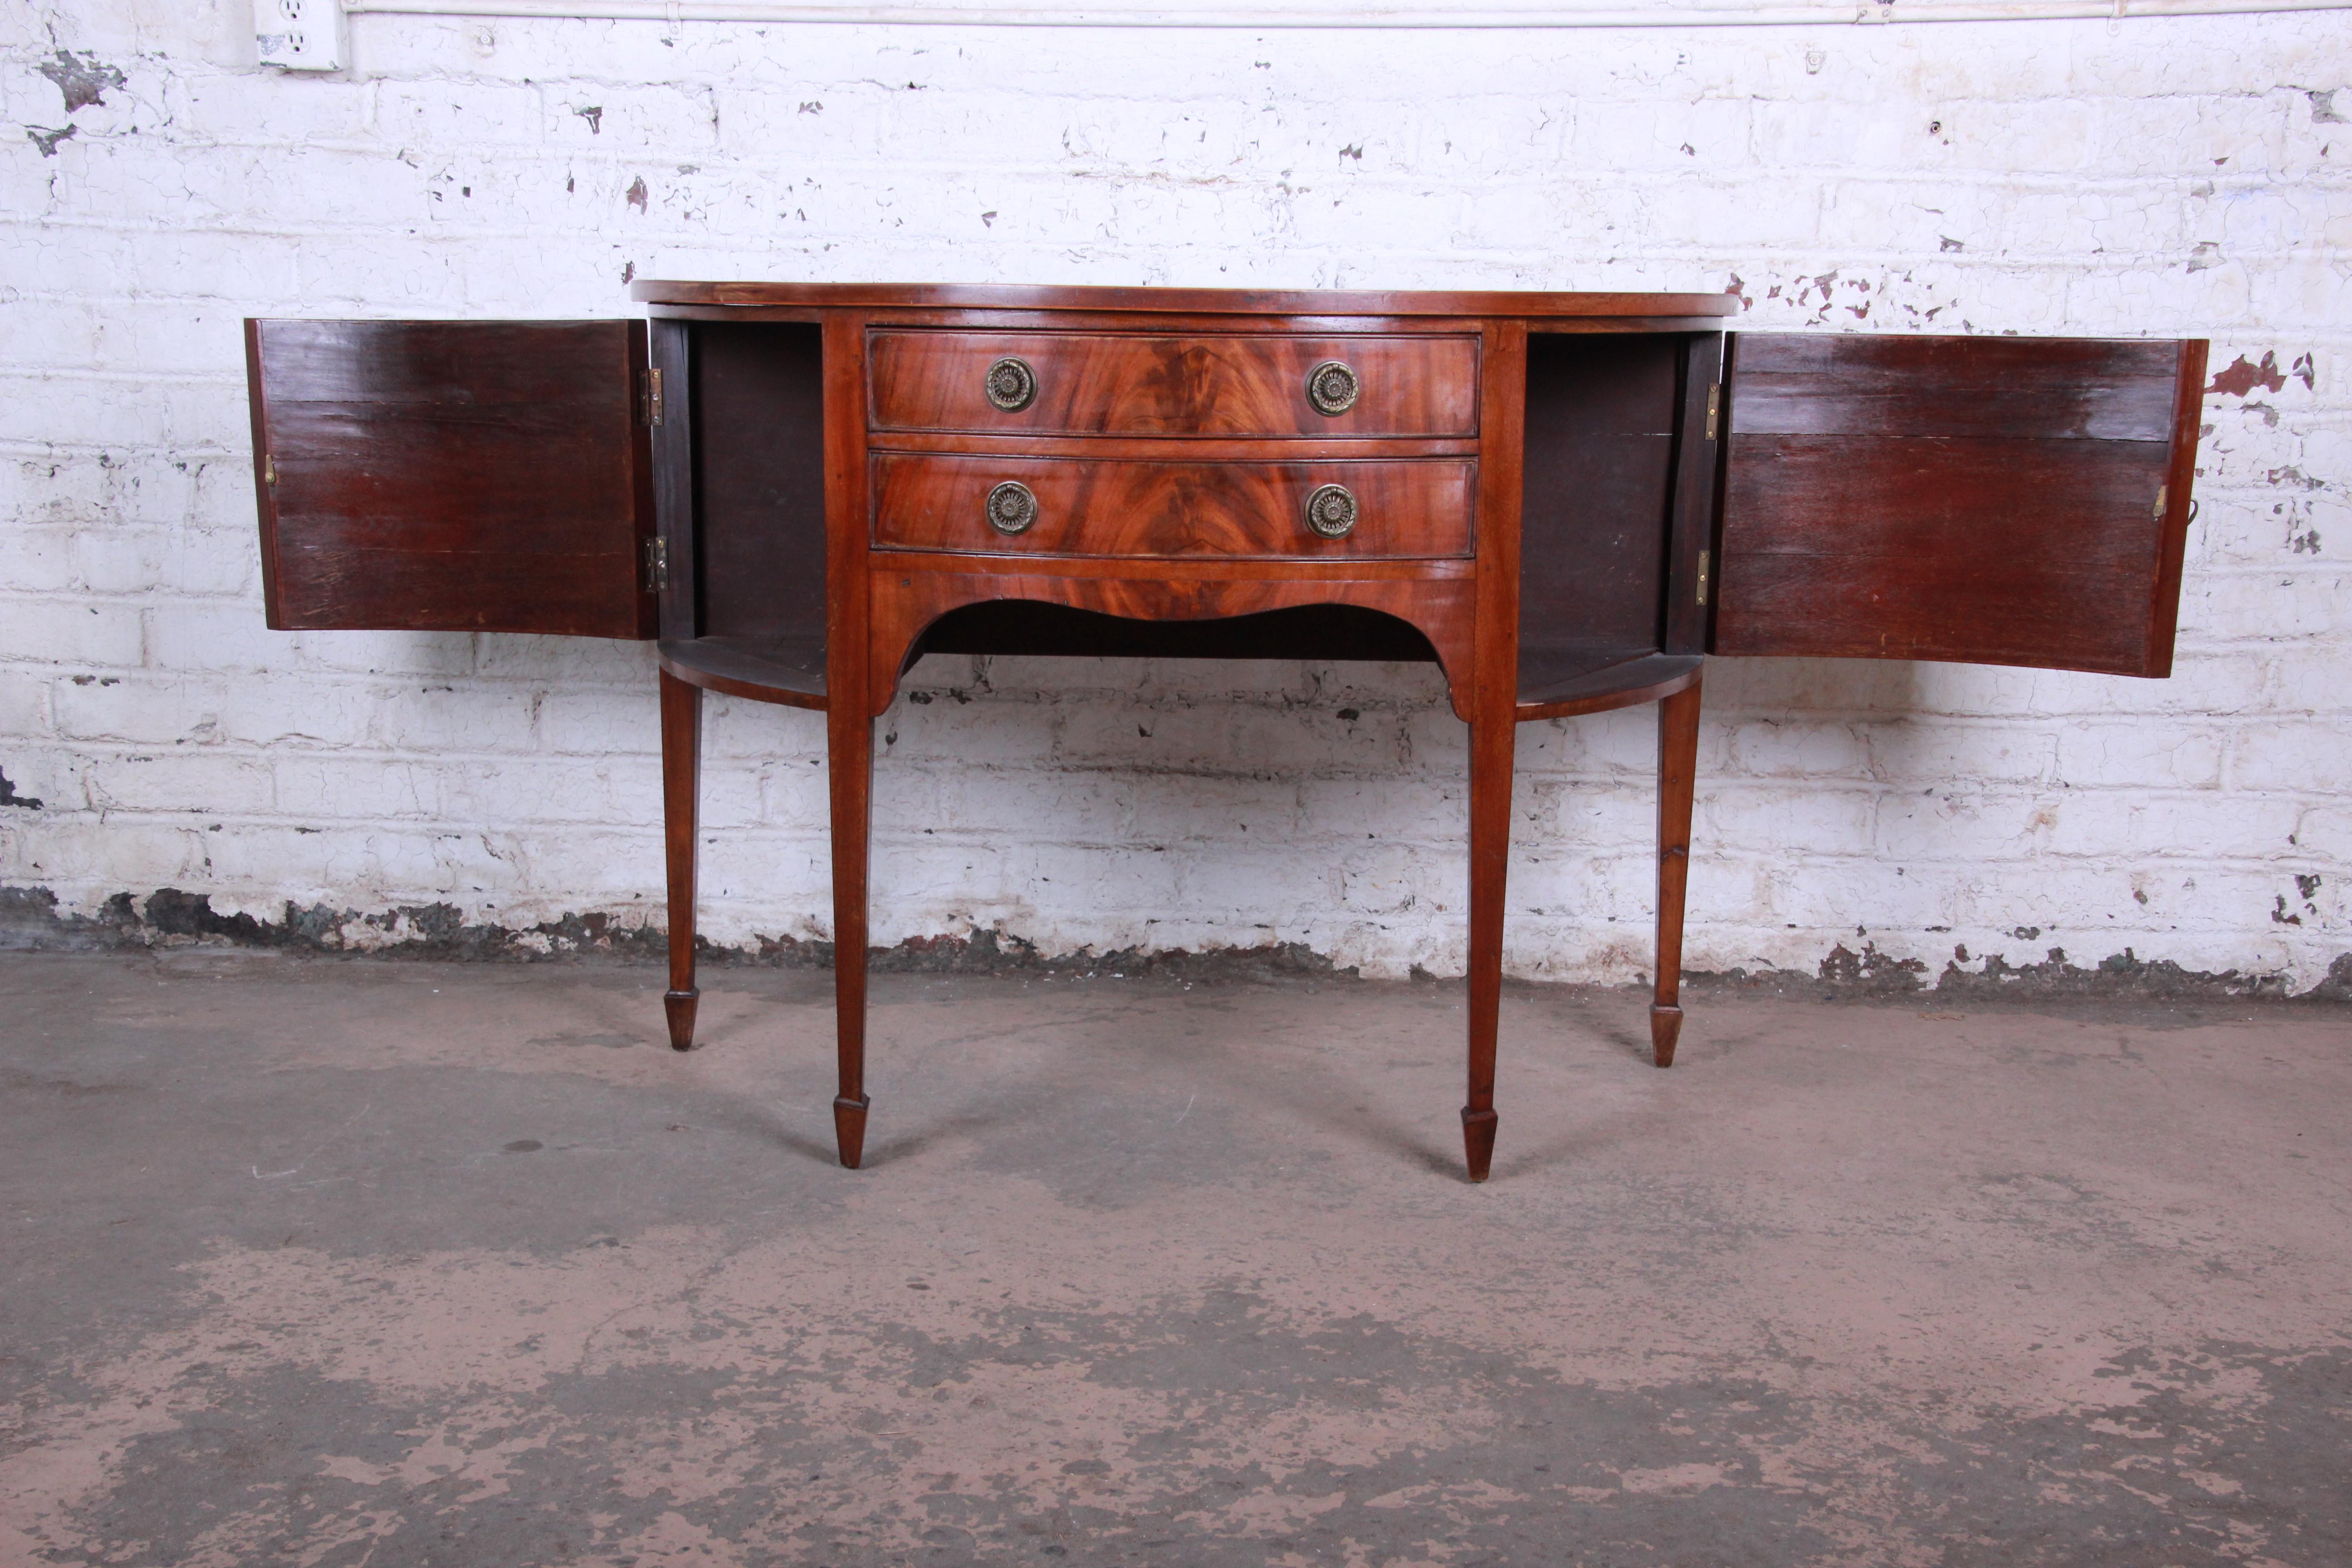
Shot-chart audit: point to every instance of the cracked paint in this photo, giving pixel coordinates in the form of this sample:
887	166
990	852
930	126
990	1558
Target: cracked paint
82	80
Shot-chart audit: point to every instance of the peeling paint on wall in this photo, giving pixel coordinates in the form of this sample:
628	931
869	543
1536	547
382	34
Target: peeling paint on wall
81	82
31	922
2240	377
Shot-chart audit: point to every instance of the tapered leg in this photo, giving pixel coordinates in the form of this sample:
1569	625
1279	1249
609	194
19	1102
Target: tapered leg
850	735
681	725
1490	846
1678	775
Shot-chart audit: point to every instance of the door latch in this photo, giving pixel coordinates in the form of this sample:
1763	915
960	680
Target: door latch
657	565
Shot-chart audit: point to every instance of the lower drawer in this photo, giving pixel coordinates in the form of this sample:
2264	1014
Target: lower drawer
1405	507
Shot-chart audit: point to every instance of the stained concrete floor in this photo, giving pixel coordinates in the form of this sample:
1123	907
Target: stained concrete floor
347	1262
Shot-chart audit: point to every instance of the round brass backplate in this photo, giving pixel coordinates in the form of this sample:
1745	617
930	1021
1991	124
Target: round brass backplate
1012	384
1011	507
1331	512
1331	387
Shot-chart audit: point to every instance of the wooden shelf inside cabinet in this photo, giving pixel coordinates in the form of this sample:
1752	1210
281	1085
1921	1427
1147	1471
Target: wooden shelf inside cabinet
790	670
1560	683
1564	500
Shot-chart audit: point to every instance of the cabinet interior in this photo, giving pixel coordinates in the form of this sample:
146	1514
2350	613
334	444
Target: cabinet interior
759	479
1595	517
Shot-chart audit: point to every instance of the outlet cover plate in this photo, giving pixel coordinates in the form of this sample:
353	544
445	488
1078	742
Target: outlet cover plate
300	34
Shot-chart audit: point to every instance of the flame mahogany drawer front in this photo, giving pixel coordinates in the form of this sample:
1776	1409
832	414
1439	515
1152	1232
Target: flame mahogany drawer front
1195	383
1393	508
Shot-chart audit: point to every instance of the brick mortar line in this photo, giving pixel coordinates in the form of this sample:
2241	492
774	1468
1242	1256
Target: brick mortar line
1627	789
1530	171
427	226
1973	725
2269	339
1939	875
1636	781
2319	330
1933	722
2323	417
1956	725
2310	410
975	80
2305	403
1630	796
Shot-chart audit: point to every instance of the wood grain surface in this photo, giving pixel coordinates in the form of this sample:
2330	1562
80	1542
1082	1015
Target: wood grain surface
1832	383
785	670
1492	718
1198	385
1677	780
1175	448
681	736
1189	302
475	476
905	603
1699	468
850	682
1984	500
1408	508
1566	683
670	349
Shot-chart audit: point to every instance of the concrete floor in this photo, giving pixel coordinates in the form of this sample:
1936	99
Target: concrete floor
342	1262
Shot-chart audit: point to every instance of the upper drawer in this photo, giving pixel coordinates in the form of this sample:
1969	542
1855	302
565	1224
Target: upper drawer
1195	383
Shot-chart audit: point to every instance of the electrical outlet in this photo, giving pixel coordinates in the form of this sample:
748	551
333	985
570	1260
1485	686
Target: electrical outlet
300	34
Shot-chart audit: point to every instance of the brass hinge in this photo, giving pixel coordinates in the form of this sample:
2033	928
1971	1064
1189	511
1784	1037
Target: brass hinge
653	397
1705	559
2160	490
269	468
657	565
1714	409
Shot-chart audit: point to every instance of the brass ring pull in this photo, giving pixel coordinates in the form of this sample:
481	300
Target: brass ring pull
1011	507
1331	512
1332	387
1012	384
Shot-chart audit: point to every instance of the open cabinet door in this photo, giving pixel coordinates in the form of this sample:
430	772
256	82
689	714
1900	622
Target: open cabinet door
453	476
1991	501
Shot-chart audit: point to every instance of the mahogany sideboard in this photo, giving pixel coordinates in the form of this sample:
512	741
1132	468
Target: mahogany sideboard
1564	500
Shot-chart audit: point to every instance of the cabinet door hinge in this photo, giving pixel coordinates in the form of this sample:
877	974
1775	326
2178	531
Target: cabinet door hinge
269	472
652	403
1714	409
657	565
2160	494
1705	559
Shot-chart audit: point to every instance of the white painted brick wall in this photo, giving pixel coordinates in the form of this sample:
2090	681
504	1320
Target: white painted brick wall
2173	177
